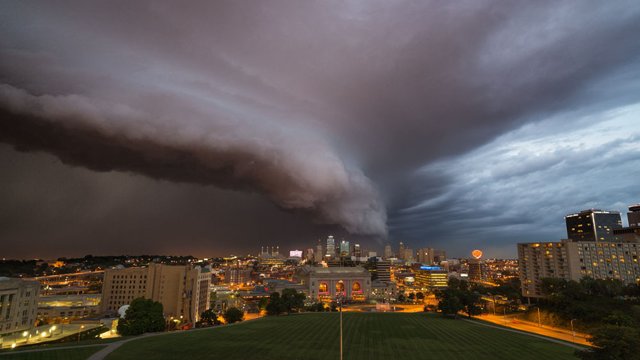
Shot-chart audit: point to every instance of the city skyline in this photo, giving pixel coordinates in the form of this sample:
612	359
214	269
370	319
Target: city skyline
224	127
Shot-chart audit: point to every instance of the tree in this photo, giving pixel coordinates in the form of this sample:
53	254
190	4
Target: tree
449	302
210	317
293	300
276	305
613	343
262	304
419	295
233	315
288	302
142	316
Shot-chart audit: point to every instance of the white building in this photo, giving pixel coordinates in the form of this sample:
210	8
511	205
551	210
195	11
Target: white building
18	304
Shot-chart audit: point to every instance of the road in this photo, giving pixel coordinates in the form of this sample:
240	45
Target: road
549	331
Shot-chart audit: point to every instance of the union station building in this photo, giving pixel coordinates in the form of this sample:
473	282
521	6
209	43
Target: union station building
327	283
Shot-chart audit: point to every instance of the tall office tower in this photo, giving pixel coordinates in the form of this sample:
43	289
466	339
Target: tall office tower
401	251
309	255
408	255
18	304
344	248
426	256
631	233
183	291
387	252
439	255
357	251
475	269
383	270
319	252
634	215
331	247
593	225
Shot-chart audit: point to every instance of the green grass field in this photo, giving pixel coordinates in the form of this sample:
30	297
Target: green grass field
366	337
62	354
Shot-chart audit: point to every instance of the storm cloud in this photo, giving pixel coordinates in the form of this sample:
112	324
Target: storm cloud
341	111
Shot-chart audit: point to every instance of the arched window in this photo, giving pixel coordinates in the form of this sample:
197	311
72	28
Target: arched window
323	287
339	286
356	286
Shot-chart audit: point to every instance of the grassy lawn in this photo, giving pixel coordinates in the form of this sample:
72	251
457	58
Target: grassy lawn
62	354
367	337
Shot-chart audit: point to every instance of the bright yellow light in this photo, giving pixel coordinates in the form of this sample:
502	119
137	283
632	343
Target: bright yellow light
13	346
53	328
25	333
44	334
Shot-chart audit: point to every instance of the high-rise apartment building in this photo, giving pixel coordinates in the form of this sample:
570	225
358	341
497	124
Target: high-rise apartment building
331	247
541	260
18	304
593	225
183	291
401	250
573	260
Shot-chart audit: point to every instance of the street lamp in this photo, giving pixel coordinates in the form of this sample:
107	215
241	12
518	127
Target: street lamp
80	331
573	333
339	298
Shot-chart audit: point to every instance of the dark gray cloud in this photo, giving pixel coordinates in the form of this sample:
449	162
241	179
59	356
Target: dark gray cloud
331	109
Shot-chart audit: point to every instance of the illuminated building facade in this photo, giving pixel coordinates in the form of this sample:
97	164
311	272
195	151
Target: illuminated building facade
383	270
541	260
426	256
183	291
573	260
18	304
344	248
593	225
331	247
326	283
476	272
431	277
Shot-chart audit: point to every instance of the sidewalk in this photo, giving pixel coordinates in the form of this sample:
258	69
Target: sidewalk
549	331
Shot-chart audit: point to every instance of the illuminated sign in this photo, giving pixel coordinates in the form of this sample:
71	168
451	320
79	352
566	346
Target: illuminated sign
295	253
476	254
432	268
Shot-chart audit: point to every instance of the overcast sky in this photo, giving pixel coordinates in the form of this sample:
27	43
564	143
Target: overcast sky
209	128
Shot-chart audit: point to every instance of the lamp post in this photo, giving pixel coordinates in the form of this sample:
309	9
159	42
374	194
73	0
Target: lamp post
339	298
504	311
573	333
539	320
79	332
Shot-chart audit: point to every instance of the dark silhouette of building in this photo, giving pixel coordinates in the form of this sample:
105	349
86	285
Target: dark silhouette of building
593	225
